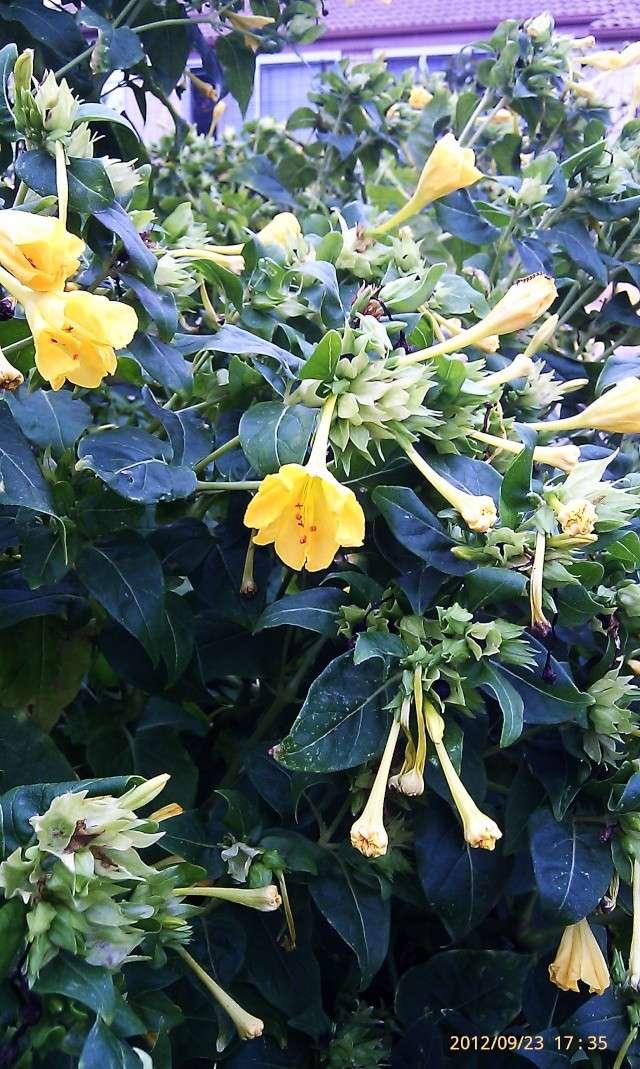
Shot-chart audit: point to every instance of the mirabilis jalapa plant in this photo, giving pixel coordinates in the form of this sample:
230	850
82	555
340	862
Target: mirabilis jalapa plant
365	469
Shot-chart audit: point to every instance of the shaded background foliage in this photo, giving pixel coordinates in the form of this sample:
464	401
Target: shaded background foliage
129	649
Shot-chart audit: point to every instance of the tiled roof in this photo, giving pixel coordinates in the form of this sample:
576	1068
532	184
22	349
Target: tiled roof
366	17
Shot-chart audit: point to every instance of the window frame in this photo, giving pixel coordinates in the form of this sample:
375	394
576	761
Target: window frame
305	59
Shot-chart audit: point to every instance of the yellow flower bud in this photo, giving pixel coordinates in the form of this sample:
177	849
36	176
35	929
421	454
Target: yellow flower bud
608	60
521	367
616	411
264	899
634	952
166	812
247	1026
284	230
539	621
577	517
543	334
144	793
368	833
477	510
448	167
39	251
564	457
10	377
579	958
419	97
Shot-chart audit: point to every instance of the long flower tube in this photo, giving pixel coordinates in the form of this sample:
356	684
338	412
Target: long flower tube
264	899
477	510
523	303
62	183
616	411
479	829
539	622
410	779
368	833
247	1026
521	367
283	230
634	953
564	457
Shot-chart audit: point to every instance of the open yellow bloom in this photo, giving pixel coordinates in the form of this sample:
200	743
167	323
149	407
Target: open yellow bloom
75	335
448	167
579	958
564	457
609	60
617	411
368	833
480	831
577	517
39	251
304	511
419	97
477	510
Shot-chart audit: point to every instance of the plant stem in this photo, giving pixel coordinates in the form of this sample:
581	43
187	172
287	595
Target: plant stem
17	346
207	488
622	1053
486	98
126	11
481	127
226	447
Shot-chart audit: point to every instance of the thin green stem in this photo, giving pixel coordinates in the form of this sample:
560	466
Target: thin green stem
226	447
622	1053
163	24
481	127
21	194
85	54
17	346
487	97
208	488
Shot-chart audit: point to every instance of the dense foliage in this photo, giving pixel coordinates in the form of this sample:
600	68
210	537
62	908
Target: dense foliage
320	548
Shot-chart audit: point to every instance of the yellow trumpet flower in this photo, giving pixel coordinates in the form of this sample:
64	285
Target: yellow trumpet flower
521	367
609	60
248	25
75	335
617	411
368	833
564	457
410	779
448	167
579	958
634	952
38	250
264	899
247	1026
477	510
524	302
539	621
479	829
304	511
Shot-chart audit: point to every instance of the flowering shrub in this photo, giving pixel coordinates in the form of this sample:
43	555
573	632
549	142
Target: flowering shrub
319	514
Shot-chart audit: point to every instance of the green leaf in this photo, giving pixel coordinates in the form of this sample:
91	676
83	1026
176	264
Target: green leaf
572	866
21	480
238	67
491	586
74	978
378	644
324	359
8	56
103	1048
343	721
312	610
48	417
516	488
125	577
273	434
13	933
508	699
360	916
89	187
42	666
556	702
93	112
136	465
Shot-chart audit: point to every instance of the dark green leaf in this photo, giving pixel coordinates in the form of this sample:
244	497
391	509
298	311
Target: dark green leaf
508	699
73	977
103	1048
272	434
515	488
360	916
136	465
312	610
572	865
324	358
21	480
49	418
238	64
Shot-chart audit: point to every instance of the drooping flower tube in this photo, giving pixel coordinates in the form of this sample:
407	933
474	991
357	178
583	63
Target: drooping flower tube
283	230
410	779
524	302
303	509
477	510
539	622
368	833
448	167
616	411
479	829
38	250
247	1026
610	60
579	958
634	952
564	457
521	367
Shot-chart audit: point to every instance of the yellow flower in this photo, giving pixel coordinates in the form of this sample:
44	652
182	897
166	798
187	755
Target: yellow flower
75	335
454	328
579	958
634	952
608	60
368	833
577	517
539	622
166	812
617	411
543	334
248	25
477	510
10	377
564	457
448	167
480	831
284	230
419	97
39	251
304	511
410	779
521	367
524	302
